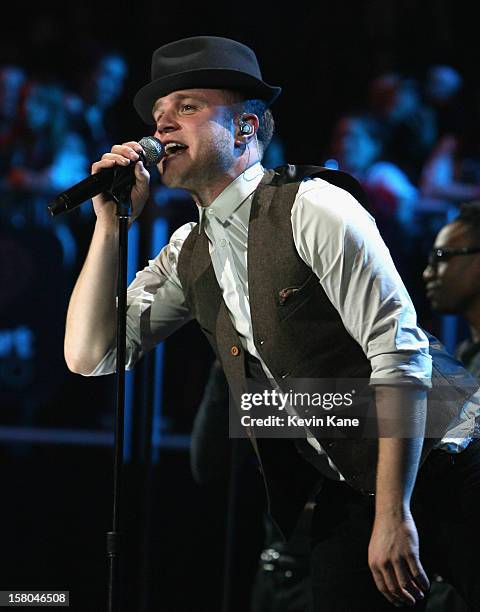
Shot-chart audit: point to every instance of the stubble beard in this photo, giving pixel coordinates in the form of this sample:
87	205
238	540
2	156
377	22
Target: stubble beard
214	158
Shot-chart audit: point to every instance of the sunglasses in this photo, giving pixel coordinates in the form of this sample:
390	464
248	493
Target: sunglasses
438	255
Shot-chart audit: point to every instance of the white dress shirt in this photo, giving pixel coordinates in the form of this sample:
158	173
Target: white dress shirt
338	239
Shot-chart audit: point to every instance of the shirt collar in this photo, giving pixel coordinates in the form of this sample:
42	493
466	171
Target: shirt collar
234	194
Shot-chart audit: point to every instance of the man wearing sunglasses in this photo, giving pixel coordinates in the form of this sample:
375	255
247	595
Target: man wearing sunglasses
452	277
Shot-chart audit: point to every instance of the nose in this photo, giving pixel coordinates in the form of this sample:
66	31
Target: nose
166	123
429	273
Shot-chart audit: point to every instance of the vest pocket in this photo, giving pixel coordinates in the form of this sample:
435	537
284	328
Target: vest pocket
290	299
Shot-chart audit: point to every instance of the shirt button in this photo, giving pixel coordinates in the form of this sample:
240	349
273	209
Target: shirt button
234	351
223	242
210	211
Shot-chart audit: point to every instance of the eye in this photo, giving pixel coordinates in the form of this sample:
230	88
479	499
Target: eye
188	108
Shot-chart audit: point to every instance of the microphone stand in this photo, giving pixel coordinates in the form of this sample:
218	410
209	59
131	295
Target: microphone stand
120	191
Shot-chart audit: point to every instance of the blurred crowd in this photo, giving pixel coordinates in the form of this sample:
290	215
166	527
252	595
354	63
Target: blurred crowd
415	149
50	132
48	138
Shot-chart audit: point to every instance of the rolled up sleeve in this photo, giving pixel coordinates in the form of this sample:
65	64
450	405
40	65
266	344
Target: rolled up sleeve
155	305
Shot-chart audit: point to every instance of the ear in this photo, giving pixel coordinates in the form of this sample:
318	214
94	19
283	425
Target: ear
243	137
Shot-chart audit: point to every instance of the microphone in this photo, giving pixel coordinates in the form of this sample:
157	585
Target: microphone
101	181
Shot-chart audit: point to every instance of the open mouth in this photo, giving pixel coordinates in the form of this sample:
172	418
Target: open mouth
173	149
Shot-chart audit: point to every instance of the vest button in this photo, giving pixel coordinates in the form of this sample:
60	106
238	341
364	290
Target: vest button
235	351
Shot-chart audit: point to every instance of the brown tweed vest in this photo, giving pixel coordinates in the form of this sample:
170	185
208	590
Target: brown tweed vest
300	337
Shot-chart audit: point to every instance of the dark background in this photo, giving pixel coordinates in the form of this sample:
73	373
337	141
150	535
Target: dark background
56	497
323	55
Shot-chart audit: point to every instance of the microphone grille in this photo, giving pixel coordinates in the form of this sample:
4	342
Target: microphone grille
154	150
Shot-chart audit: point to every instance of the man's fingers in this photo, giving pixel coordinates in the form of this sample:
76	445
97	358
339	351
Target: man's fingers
141	173
381	585
396	583
108	160
133	145
418	573
393	551
122	155
406	580
130	150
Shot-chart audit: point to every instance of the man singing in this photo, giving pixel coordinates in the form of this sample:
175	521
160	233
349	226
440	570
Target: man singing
317	296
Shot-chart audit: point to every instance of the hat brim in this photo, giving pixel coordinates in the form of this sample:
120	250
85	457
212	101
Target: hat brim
211	78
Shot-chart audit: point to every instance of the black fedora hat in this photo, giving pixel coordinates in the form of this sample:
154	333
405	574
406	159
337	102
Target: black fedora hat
205	62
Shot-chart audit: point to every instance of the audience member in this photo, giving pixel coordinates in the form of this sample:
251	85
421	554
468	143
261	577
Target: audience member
452	172
408	124
100	88
356	148
12	79
443	90
46	157
452	278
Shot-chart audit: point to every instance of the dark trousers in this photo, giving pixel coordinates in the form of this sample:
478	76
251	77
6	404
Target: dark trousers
446	508
276	591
